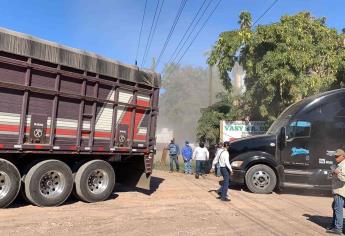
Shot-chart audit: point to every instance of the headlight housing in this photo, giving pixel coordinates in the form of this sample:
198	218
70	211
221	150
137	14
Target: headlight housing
236	163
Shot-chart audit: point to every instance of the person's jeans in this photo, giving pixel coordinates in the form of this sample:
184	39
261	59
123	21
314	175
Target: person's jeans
173	159
188	166
218	170
226	181
199	167
338	205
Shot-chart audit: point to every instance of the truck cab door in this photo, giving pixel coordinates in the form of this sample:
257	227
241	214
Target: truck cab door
294	155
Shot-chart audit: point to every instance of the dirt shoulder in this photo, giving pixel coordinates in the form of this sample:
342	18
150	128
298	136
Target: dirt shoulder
178	205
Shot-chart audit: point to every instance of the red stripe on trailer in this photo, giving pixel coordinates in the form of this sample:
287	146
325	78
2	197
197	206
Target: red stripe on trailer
72	147
2	146
38	146
101	149
13	128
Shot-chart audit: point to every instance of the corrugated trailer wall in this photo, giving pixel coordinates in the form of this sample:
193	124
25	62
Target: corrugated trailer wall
49	107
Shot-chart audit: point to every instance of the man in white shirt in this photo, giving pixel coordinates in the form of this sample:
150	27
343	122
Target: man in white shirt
200	155
223	159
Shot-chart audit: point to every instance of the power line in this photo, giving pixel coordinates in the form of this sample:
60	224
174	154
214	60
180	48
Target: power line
154	28
263	14
177	17
197	34
184	35
190	34
141	28
148	39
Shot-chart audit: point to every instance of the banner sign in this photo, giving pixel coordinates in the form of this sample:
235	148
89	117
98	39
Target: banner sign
232	130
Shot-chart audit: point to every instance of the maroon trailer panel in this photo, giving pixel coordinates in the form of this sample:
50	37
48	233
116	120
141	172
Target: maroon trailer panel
60	100
68	119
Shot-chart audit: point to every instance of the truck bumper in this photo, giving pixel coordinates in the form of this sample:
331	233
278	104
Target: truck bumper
238	176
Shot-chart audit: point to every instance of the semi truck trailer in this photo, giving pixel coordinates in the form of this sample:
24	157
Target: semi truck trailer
72	121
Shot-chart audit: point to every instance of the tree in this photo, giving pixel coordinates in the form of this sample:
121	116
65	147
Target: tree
284	61
245	20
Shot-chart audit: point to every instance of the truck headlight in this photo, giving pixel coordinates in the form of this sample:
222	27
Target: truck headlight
236	163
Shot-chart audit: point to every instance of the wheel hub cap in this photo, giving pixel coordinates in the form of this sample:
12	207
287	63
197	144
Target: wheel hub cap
5	184
261	179
52	183
98	181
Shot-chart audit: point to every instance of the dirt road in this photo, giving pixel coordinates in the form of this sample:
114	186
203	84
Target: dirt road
178	205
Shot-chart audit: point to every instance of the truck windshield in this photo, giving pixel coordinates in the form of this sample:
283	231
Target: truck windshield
284	117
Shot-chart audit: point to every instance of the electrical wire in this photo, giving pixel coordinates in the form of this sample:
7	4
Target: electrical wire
148	39
141	29
267	10
177	17
190	34
197	34
154	29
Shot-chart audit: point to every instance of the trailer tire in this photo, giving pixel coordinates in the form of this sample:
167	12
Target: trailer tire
48	183
261	179
94	181
9	183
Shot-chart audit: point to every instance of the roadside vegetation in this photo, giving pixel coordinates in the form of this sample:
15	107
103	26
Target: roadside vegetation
285	61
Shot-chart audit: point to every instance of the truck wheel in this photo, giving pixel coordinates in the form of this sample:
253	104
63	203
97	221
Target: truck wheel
9	183
261	179
48	183
94	181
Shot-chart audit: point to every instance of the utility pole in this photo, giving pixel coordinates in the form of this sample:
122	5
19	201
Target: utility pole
209	85
154	64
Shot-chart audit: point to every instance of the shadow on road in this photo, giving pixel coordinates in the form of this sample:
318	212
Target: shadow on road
306	192
323	221
154	185
286	190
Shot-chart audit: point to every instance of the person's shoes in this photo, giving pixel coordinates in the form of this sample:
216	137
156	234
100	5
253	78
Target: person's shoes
225	199
197	176
329	227
334	231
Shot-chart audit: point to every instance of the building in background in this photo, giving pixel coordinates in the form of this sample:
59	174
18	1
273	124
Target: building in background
237	76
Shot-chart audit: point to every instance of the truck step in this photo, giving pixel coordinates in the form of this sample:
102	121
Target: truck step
298	172
306	186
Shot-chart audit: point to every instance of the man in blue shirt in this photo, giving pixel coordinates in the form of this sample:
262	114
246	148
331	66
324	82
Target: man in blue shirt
187	154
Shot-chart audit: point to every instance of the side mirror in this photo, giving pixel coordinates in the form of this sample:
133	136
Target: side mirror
282	138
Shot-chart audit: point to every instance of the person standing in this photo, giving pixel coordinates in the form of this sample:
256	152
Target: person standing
223	158
200	155
217	167
174	151
187	154
338	186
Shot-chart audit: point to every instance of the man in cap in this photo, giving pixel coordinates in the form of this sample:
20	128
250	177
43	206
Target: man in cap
187	154
338	186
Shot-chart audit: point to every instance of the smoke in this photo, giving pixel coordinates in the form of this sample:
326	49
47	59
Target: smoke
185	92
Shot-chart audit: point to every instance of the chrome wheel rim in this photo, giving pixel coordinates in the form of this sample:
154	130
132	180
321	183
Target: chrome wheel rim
5	184
97	181
52	184
261	179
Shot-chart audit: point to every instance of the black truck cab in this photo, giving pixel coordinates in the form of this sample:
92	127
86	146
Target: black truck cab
297	150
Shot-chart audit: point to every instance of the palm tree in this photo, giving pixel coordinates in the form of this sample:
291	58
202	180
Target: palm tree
245	20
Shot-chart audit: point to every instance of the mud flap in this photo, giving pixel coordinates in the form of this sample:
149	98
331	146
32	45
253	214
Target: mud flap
144	181
136	173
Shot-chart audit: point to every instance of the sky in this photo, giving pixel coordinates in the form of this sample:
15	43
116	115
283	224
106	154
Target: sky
111	27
